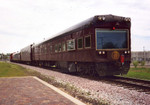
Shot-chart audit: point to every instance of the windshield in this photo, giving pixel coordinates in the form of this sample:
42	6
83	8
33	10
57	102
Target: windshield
111	39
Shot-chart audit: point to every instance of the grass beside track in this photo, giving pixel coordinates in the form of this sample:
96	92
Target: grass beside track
139	73
11	70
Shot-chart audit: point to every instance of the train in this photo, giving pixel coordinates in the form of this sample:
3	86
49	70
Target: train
99	45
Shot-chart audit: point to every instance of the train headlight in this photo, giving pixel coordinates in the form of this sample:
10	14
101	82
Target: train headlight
127	19
100	52
101	18
125	52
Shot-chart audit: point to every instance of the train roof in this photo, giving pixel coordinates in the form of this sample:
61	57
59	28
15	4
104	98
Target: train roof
83	24
27	48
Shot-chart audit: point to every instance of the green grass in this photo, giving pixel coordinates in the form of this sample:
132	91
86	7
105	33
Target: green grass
140	73
11	70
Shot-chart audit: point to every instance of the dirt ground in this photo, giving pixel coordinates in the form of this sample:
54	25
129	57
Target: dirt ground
28	91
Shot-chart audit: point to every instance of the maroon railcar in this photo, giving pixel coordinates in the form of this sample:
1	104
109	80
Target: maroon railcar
99	44
26	54
15	57
11	57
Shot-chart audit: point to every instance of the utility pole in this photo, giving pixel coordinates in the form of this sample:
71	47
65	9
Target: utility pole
144	53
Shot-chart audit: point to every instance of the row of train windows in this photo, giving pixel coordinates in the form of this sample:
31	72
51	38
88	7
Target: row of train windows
71	44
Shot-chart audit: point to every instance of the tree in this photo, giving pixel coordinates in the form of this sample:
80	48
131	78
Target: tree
135	63
143	64
4	56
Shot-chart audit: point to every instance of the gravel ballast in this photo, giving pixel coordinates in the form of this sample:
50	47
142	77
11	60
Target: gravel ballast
109	93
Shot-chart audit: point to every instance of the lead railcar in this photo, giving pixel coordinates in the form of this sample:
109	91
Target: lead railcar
15	57
100	45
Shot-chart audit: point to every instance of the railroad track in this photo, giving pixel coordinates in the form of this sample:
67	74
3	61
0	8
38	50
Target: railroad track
126	82
131	83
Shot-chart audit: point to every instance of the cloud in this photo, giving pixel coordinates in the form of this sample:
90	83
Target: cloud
10	42
28	21
140	42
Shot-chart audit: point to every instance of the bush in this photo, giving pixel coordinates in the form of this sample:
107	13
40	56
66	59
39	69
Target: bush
135	63
143	63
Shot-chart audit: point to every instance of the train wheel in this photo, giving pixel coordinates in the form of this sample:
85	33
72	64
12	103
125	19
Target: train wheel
101	69
72	67
93	72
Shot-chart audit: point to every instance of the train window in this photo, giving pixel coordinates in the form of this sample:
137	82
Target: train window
80	43
41	49
59	47
71	44
56	48
63	46
45	49
88	41
50	48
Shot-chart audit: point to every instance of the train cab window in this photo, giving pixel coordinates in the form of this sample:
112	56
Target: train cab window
111	39
63	46
59	47
56	48
88	41
71	45
80	43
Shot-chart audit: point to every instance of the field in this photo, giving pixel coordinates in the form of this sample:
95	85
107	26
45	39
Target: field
11	70
141	73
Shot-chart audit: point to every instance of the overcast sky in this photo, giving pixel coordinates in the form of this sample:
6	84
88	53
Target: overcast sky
23	22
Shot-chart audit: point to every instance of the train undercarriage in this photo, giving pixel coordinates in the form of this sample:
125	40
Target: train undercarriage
88	68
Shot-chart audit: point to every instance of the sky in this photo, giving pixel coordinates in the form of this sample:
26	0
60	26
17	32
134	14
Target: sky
23	22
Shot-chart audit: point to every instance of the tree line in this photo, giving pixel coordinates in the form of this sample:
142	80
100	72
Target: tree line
4	56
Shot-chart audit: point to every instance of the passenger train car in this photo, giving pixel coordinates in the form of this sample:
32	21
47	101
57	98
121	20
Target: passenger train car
15	57
100	44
